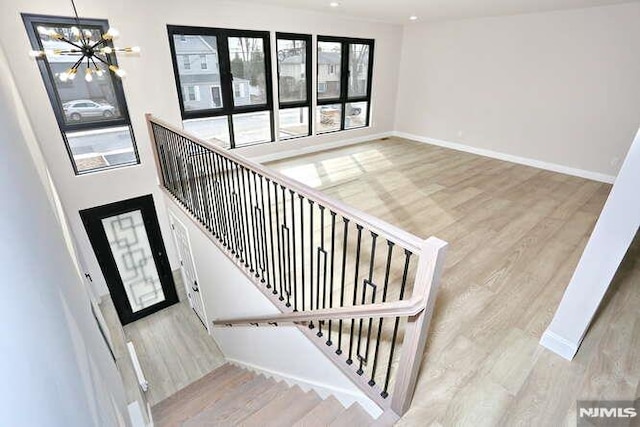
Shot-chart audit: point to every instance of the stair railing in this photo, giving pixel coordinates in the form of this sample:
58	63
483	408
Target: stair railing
363	288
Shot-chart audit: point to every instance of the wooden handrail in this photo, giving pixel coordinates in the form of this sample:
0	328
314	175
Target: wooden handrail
411	307
391	232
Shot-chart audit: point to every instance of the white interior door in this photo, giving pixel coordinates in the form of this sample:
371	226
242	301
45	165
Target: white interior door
188	268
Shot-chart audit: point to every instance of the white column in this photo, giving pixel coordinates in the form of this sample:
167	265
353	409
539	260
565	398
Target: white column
607	246
55	368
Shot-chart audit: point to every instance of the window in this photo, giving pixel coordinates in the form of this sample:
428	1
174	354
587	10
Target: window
294	84
235	106
193	93
92	116
344	83
186	62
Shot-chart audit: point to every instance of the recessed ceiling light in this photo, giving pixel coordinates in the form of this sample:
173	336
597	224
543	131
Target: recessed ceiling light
334	4
413	18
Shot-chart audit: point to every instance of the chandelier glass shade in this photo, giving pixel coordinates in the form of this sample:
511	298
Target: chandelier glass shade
93	49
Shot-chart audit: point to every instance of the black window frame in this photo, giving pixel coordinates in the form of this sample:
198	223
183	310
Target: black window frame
308	103
344	98
31	22
226	78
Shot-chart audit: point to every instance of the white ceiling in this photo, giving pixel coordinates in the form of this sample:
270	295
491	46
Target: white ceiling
398	11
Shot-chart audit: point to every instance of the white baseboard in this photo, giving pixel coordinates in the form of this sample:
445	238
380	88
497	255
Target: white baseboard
559	345
554	167
315	147
346	397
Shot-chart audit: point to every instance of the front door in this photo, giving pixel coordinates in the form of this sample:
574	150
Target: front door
216	97
188	268
126	240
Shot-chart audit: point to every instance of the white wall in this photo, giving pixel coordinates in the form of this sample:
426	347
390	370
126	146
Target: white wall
283	351
56	369
150	87
607	246
559	87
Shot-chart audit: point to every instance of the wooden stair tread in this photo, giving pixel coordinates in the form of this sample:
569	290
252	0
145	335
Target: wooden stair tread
323	414
354	416
284	411
240	404
199	395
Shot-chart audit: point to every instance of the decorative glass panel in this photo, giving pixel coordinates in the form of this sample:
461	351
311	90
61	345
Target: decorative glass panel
131	251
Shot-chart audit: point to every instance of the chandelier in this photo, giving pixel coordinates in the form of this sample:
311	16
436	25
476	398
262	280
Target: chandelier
94	54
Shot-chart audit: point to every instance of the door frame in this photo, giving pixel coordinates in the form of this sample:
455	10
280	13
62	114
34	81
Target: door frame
173	218
92	220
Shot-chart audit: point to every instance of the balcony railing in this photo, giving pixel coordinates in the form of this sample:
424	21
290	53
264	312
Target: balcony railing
362	289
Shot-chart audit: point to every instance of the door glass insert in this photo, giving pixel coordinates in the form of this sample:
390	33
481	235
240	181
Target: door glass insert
129	243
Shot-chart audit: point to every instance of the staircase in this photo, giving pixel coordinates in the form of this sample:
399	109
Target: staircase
232	396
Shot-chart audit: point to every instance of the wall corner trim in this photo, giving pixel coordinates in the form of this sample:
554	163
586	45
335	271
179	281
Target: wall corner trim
559	345
554	167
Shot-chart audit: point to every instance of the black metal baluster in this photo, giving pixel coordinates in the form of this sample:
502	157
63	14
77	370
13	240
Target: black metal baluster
311	326
211	188
286	255
172	161
251	220
385	393
205	183
159	149
176	162
204	190
220	198
279	237
364	359
258	230
372	381
323	252
265	259
237	228
273	262
342	278
248	218
161	144
355	290
333	242
229	203
302	264
295	254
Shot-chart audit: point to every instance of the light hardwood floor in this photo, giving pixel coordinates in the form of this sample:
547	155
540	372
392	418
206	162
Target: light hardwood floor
516	234
173	346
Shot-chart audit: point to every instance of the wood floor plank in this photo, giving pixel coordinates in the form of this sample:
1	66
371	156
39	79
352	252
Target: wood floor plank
516	234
